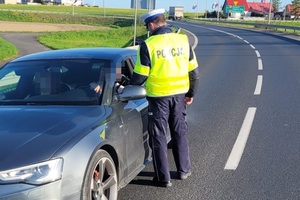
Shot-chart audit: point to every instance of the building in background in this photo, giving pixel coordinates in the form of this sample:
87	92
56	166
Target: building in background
143	4
8	2
239	9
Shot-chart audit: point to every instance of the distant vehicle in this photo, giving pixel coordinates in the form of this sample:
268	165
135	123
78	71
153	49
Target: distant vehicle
62	139
176	13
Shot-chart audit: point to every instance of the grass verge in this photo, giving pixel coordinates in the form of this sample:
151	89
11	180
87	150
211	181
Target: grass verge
118	32
114	37
7	50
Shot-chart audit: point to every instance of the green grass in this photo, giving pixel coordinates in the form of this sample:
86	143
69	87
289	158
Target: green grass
118	37
120	33
7	50
78	10
65	19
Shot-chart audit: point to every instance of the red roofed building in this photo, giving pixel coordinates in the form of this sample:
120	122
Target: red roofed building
292	11
258	8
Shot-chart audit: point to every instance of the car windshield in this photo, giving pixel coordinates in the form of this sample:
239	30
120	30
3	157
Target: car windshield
52	82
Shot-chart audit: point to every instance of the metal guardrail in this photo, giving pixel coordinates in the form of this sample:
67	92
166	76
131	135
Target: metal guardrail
294	29
276	27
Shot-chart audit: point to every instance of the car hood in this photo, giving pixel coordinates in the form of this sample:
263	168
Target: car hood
31	134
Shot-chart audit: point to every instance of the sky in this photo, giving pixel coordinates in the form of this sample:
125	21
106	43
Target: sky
187	4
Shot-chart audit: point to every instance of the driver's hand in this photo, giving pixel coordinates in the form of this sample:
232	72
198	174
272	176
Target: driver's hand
98	89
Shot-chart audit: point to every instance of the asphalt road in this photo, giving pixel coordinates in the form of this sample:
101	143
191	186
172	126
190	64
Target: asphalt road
26	43
244	128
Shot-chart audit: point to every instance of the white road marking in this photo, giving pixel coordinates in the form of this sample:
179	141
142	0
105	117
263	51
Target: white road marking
258	87
257	53
240	143
195	38
260	65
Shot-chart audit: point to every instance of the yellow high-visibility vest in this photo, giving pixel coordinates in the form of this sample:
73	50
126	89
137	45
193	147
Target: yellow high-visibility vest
169	55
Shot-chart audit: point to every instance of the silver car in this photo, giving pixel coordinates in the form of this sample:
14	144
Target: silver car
66	131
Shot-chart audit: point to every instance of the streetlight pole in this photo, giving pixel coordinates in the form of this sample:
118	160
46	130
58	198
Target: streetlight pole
103	8
135	20
194	8
73	7
206	9
218	14
270	12
284	13
197	9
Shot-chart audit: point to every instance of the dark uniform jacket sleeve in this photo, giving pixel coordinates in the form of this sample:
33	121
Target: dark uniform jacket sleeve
194	78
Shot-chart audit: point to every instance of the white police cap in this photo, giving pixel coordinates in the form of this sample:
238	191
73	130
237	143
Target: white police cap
152	14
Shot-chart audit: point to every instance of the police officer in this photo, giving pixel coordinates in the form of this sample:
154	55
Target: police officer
167	65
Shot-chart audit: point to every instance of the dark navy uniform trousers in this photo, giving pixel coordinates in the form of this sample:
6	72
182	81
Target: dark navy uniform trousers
168	112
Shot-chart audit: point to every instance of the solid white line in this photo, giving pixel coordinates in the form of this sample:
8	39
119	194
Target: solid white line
257	54
240	143
195	38
258	85
260	65
253	47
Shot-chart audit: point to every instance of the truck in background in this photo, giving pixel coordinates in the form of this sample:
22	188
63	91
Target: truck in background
175	12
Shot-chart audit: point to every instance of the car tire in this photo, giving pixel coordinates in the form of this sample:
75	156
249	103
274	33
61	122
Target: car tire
100	181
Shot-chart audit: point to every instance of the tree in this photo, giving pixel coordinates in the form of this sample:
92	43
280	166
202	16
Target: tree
296	8
276	5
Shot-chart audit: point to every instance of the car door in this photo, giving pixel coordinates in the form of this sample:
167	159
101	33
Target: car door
143	105
133	113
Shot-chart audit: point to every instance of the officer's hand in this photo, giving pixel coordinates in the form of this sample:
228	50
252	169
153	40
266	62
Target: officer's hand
188	100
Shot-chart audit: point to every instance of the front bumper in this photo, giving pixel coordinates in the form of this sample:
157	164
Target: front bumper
50	191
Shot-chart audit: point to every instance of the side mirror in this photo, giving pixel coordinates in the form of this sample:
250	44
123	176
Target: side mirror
132	92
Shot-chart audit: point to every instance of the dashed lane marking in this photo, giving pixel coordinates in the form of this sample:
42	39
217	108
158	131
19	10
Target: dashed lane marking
240	143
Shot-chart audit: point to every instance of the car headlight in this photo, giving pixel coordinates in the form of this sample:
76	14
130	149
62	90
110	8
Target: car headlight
35	174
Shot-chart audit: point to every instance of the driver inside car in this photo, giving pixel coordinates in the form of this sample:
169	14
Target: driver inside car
119	85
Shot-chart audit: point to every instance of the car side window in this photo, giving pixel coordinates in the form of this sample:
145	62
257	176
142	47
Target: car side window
126	71
9	82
